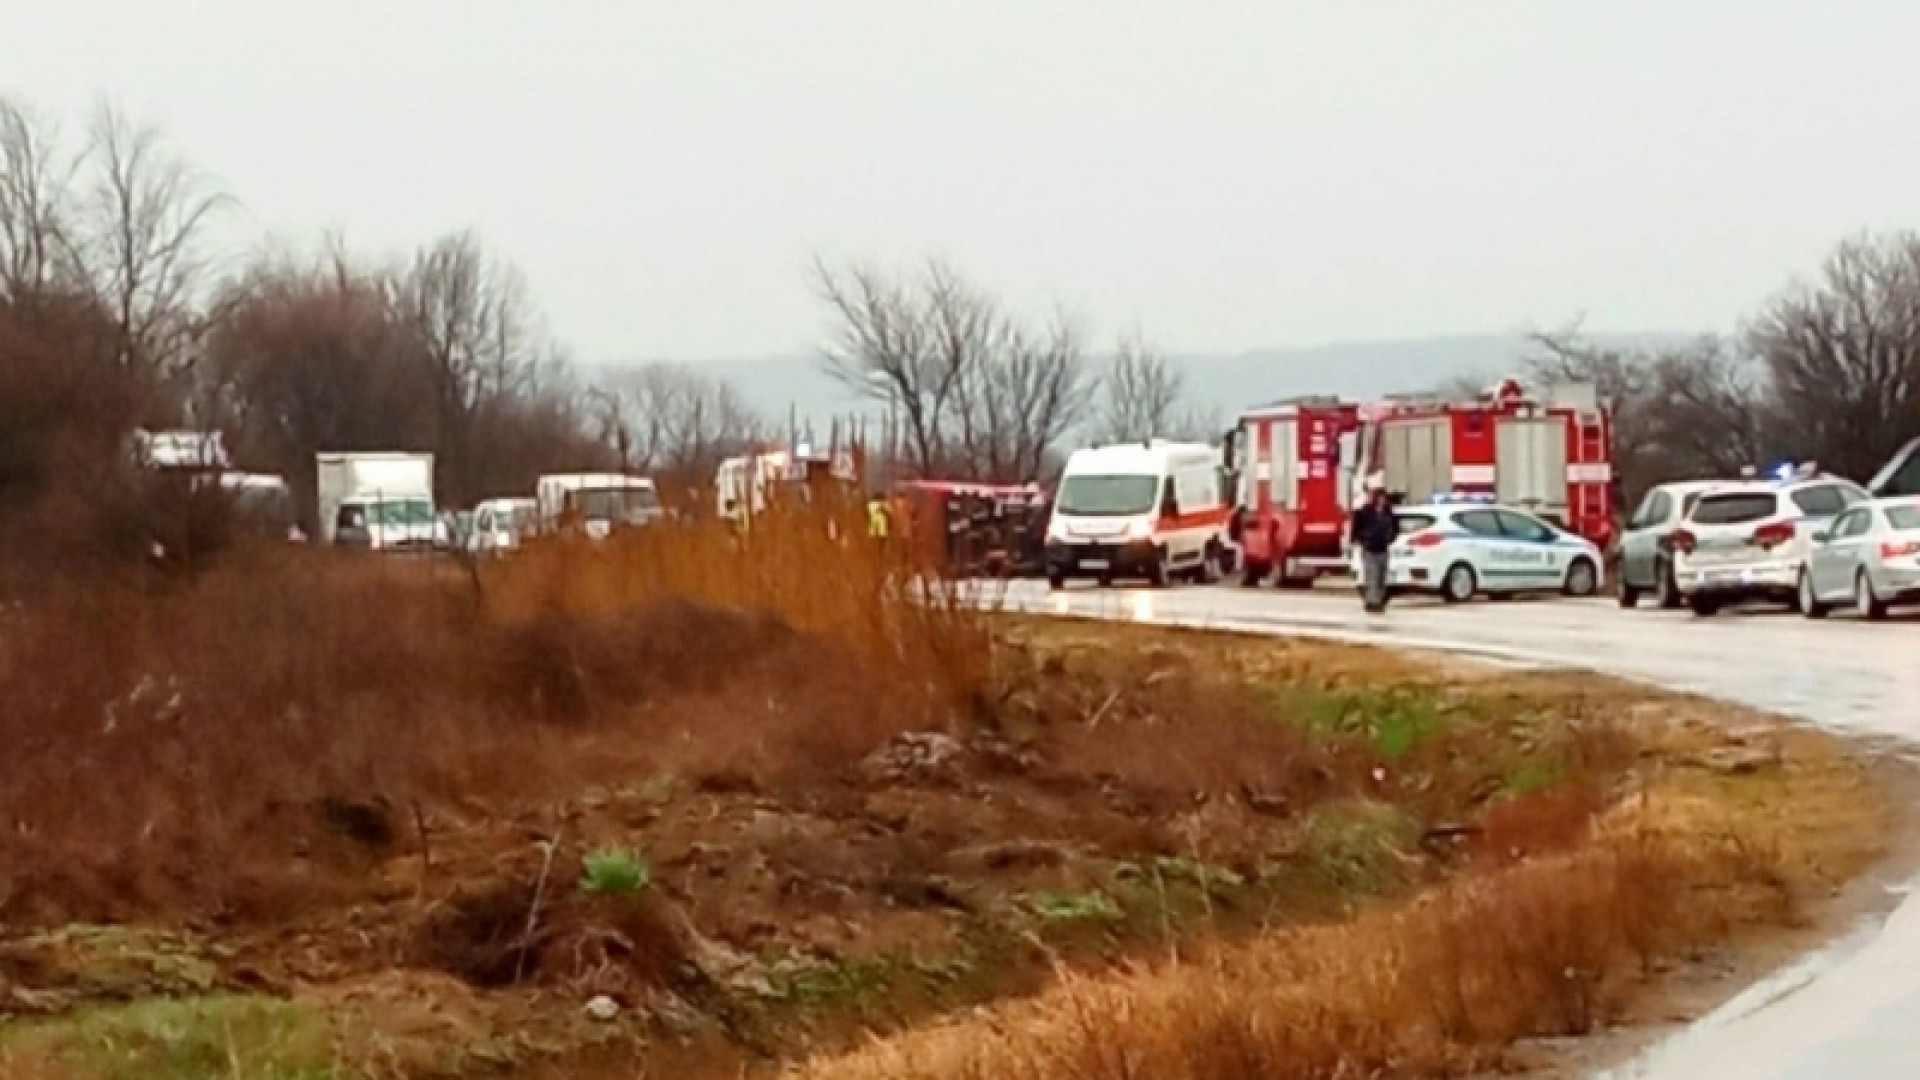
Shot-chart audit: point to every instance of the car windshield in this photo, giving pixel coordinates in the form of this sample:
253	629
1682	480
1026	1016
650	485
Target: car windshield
1904	518
610	504
1734	508
1108	496
400	512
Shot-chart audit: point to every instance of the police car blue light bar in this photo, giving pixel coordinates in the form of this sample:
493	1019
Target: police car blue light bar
1786	472
1462	497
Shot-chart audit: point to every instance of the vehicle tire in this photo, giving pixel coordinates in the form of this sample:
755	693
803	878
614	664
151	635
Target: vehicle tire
1459	584
1703	606
1157	576
1211	569
1106	581
1870	606
1666	590
1811	607
1056	581
1629	597
1583	579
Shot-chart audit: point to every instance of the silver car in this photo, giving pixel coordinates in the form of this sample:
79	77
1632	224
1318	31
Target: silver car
1869	557
1646	556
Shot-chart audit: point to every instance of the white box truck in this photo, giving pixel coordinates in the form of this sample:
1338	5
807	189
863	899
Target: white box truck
379	501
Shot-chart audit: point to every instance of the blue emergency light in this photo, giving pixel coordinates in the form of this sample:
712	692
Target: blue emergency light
1447	497
1786	472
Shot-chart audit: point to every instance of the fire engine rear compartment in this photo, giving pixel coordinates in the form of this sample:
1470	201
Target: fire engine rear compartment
1530	464
1416	457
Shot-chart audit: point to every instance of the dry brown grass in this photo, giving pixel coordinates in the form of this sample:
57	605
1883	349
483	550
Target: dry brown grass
1437	987
195	747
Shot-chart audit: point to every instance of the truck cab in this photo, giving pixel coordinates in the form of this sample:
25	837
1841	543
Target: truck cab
597	503
381	522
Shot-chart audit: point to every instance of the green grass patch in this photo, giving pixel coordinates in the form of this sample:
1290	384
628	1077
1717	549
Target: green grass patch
1391	721
1530	777
204	1038
1357	845
825	983
615	873
117	962
1091	906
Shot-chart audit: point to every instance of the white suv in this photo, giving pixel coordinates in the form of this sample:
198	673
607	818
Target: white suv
1750	540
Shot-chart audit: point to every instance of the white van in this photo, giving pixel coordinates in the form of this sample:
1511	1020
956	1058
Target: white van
1155	510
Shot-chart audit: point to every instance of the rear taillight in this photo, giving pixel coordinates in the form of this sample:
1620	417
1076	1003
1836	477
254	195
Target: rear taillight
1773	534
1899	549
1425	539
1682	541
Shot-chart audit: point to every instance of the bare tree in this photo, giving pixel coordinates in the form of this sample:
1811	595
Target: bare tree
1707	411
886	348
36	179
1843	355
475	340
144	216
1141	394
312	357
1033	391
975	392
670	418
1695	410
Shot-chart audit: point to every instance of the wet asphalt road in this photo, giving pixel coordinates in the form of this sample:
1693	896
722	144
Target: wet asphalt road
1851	1012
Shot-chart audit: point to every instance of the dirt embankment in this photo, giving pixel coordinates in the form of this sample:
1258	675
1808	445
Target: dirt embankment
691	838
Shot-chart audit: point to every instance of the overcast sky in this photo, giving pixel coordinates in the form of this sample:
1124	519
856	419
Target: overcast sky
1227	175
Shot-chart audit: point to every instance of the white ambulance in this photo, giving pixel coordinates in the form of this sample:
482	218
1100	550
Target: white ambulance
1155	510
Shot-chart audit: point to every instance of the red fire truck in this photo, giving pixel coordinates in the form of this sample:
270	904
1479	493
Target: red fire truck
1551	454
1295	462
1303	463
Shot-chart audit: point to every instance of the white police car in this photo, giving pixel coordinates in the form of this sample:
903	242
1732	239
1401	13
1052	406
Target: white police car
1464	546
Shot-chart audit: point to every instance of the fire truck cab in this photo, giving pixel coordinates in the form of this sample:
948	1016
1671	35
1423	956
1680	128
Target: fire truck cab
1295	461
1551	454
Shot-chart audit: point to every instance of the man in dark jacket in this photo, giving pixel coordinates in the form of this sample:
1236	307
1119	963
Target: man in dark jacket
1373	530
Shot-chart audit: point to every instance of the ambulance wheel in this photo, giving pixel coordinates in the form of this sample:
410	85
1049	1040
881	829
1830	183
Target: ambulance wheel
1582	578
1459	585
1212	567
1157	575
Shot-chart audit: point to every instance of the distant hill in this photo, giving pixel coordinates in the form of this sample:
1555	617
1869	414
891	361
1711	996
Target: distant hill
1222	383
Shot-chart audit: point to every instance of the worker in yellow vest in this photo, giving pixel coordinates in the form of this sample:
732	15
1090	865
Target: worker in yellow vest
877	518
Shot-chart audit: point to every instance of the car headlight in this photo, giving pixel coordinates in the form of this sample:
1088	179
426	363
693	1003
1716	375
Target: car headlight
1139	530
